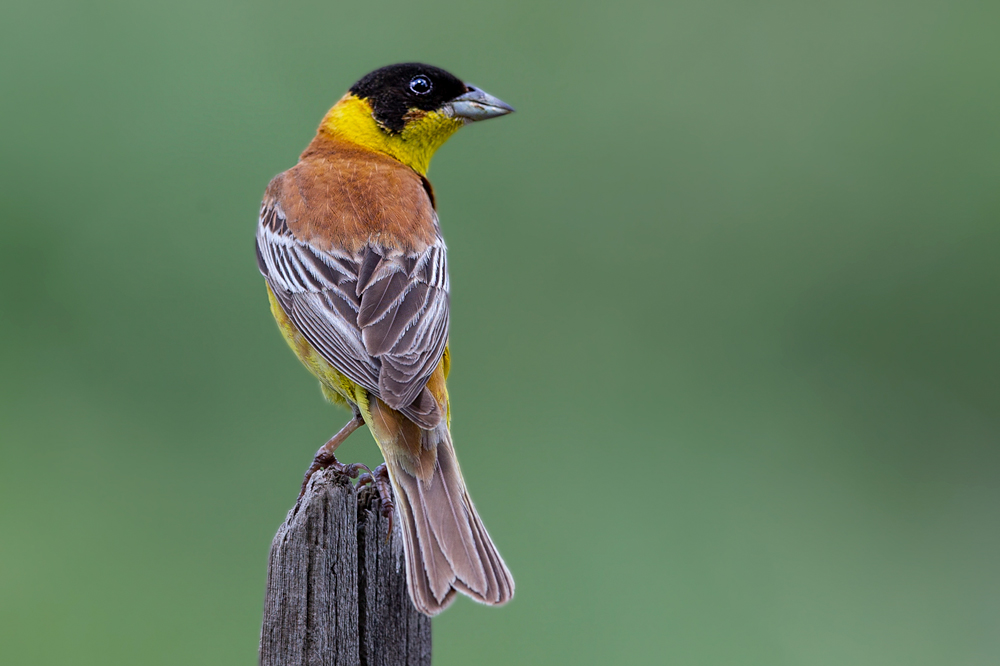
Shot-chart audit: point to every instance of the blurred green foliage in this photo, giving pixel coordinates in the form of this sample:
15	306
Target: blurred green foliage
725	328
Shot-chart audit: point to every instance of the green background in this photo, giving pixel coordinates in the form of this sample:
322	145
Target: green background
724	324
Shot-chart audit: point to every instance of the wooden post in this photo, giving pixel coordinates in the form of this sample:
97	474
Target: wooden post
336	585
392	632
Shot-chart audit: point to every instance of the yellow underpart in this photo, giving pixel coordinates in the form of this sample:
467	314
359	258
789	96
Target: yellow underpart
336	386
351	118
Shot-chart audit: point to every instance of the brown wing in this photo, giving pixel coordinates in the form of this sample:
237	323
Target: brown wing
378	315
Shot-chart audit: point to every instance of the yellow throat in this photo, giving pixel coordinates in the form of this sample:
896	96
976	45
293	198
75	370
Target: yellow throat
425	131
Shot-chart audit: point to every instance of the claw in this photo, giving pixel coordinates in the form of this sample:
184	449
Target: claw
329	461
380	478
324	458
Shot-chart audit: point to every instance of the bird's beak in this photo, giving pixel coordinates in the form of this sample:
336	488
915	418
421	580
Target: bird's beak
475	105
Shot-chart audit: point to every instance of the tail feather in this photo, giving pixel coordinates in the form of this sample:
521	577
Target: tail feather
418	582
445	502
500	588
446	545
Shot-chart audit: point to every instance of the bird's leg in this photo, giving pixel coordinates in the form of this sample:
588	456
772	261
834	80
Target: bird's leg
379	477
324	457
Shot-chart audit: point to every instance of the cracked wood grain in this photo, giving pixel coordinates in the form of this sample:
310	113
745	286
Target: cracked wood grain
336	585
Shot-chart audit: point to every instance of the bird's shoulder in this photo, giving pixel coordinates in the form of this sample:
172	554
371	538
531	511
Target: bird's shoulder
342	197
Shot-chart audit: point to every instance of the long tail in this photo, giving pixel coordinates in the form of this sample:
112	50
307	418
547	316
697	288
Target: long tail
447	547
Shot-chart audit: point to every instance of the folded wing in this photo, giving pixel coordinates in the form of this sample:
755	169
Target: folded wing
378	315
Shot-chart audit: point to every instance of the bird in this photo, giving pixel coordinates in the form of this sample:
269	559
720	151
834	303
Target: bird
350	246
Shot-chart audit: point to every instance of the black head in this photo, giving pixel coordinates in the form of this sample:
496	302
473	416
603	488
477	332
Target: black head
392	91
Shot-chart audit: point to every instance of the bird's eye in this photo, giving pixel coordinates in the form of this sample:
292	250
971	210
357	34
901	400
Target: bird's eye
421	85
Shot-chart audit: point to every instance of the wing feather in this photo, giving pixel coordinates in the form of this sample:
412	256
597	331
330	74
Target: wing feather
378	316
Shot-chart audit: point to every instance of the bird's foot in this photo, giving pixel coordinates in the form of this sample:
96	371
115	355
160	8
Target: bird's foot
379	478
326	460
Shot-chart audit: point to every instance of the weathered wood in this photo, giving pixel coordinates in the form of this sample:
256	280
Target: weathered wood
336	585
392	631
311	604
